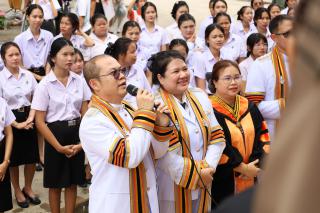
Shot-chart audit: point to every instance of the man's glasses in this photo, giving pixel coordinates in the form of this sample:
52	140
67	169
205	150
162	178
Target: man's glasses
116	73
286	34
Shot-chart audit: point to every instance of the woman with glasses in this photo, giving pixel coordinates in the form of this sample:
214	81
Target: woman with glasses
60	100
246	133
124	50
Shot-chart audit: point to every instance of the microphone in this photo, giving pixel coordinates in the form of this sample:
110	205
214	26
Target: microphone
132	90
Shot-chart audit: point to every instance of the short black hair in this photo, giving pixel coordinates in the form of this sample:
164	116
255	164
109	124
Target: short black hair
176	7
129	24
221	14
74	20
120	47
185	17
145	7
274	23
253	39
178	42
97	16
210	28
5	47
258	14
241	12
214	2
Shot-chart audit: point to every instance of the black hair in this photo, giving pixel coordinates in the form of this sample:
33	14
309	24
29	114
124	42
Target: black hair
5	47
33	7
119	47
258	14
209	29
185	17
176	7
271	6
216	71
129	24
221	14
213	3
241	12
74	20
158	63
276	21
179	42
253	39
97	16
251	3
145	7
78	52
56	46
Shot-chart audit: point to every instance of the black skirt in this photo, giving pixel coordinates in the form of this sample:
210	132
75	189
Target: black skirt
5	185
60	171
25	142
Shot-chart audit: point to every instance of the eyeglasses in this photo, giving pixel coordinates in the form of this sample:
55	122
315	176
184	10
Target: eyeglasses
116	73
286	34
228	79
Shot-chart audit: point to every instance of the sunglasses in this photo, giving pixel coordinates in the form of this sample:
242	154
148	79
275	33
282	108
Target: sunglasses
286	34
116	73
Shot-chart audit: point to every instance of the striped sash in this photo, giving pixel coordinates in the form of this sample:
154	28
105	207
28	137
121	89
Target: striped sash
138	184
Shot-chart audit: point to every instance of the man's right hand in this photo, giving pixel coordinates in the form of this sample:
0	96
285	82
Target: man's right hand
145	100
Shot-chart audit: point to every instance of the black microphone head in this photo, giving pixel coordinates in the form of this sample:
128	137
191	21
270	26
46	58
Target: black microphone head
132	90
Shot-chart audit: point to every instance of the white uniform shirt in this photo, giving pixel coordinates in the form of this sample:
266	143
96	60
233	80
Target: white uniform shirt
173	31
77	42
238	30
170	166
83	9
17	92
245	66
34	52
99	45
61	102
152	41
234	47
110	188
6	117
261	78
46	6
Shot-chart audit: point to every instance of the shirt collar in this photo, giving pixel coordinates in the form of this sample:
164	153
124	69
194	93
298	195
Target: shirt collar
30	36
52	77
8	74
144	28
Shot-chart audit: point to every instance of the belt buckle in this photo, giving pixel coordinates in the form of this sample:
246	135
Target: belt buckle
72	123
21	109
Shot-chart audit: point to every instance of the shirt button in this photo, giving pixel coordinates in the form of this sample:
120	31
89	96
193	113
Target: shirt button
125	114
148	188
197	131
198	150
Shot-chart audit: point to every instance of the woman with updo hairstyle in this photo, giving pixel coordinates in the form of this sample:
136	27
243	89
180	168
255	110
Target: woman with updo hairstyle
100	36
17	87
204	140
179	8
274	10
246	133
124	51
257	46
60	100
244	26
70	30
35	42
187	27
153	38
261	21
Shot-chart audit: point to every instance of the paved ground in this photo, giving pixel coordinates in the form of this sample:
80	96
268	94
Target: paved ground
199	8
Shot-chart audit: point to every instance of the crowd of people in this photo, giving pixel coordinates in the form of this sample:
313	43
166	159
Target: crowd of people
204	111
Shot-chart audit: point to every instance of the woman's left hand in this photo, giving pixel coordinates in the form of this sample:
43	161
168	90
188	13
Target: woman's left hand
76	148
3	169
162	117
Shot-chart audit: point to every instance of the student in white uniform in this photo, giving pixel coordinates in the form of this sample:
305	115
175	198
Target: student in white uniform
70	30
153	38
34	43
233	45
244	26
179	8
59	100
215	7
290	4
124	51
17	87
261	21
78	64
274	10
132	30
269	78
187	27
215	39
83	12
50	9
256	4
100	36
181	46
117	138
180	188
257	46
6	140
